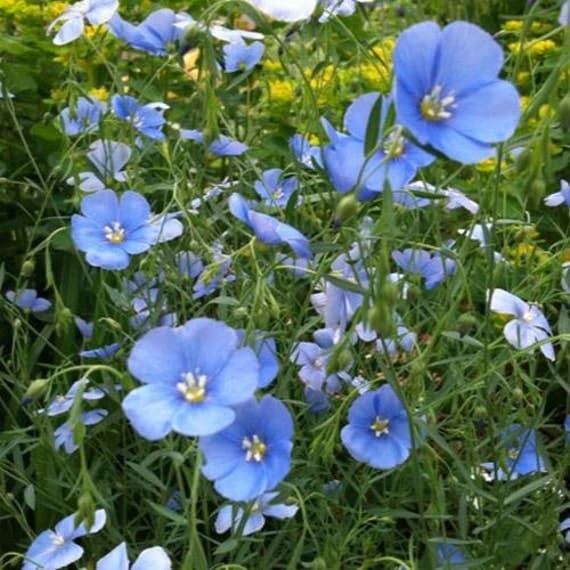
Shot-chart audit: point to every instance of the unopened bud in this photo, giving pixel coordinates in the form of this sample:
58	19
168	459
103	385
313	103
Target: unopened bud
35	390
28	268
346	208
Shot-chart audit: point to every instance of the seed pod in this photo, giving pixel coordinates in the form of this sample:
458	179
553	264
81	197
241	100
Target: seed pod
28	268
346	208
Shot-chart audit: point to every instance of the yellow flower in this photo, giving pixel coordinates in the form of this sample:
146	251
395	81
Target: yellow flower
541	47
272	66
55	9
281	91
93	31
100	93
527	254
522	77
487	165
513	26
546	111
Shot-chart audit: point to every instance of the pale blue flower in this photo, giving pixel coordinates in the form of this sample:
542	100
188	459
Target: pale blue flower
232	516
307	154
96	12
193	376
274	189
448	93
222	146
28	299
451	557
146	119
64	436
286	10
433	267
561	197
269	230
240	56
54	549
84	118
529	325
378	432
61	404
253	454
154	558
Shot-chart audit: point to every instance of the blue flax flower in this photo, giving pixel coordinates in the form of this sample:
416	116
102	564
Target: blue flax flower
433	267
447	91
232	516
567	428
307	154
28	299
222	146
61	404
193	376
451	556
522	456
240	56
96	12
54	549
286	10
266	351
529	325
153	35
146	119
378	432
84	118
392	159
274	189
109	158
337	304
269	230
64	435
103	352
154	558
110	230
253	454
560	197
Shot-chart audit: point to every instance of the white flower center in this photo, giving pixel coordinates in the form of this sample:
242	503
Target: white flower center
380	427
254	448
278	193
394	143
193	387
434	107
115	233
58	540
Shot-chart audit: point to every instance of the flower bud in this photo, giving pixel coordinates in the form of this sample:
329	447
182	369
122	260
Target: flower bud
466	323
85	510
381	319
28	268
35	390
346	208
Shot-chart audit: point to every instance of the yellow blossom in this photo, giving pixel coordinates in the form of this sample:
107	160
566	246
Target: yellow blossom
100	93
541	47
487	165
281	91
272	66
93	31
522	77
513	26
528	253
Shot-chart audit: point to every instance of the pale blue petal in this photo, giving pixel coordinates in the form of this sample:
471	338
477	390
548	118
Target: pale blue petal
154	558
117	559
202	419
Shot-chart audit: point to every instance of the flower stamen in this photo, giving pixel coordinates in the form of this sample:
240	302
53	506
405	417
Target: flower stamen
380	427
193	387
254	448
115	233
434	107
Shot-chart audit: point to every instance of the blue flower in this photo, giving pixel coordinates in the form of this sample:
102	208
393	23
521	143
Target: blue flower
222	146
433	267
522	456
337	304
232	516
266	351
567	428
84	118
253	454
213	275
286	10
109	158
313	358
111	229
529	325
378	432
193	375
54	549
103	352
28	299
269	230
84	327
404	339
447	91
393	159
153	35
451	556
96	12
64	435
561	197
154	558
307	154
274	189
240	56
62	404
146	119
